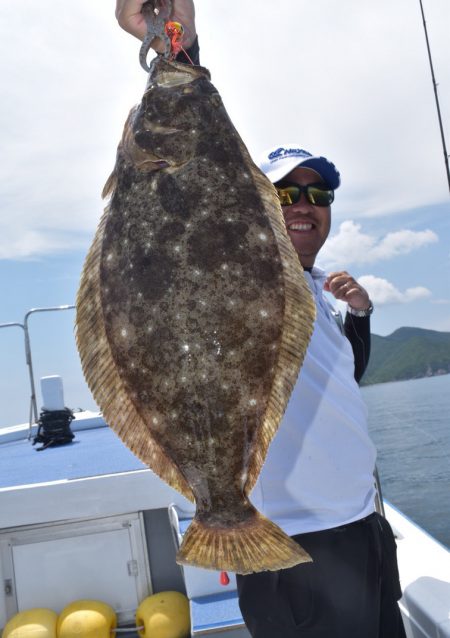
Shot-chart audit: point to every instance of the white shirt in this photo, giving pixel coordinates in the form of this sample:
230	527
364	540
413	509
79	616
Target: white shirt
319	469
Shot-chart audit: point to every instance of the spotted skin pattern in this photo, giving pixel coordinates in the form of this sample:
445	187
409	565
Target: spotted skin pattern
205	330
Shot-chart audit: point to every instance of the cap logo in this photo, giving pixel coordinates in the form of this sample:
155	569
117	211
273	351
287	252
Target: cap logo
281	153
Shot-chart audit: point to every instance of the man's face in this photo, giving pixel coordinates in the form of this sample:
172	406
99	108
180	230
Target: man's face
307	225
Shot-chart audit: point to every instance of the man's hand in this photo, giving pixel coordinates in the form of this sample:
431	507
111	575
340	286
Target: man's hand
344	287
130	18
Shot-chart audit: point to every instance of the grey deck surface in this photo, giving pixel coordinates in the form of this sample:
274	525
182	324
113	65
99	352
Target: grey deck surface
92	453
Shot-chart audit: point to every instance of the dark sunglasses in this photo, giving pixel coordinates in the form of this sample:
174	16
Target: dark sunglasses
316	194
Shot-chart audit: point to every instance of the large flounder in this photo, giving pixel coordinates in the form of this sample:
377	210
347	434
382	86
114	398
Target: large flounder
193	315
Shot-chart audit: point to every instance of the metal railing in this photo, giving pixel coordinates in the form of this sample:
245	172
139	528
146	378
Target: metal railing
33	413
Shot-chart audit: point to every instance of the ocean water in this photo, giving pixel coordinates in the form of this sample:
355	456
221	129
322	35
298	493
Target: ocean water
409	422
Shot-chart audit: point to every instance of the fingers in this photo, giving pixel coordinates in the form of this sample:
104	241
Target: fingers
130	18
344	287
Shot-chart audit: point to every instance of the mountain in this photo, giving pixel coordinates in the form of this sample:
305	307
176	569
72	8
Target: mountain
408	353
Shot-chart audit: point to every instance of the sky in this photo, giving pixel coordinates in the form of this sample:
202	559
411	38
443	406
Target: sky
347	80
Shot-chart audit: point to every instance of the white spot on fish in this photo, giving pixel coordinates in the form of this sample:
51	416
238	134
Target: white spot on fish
155	420
109	257
183	379
224	266
139	295
124	332
264	313
252	402
150	328
197	273
185	347
262	236
177	249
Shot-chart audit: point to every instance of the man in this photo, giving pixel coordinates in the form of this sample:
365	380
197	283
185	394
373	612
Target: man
317	482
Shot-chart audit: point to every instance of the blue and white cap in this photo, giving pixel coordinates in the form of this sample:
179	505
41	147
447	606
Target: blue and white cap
277	162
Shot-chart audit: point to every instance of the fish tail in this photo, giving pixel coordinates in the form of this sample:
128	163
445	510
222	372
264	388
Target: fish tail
256	546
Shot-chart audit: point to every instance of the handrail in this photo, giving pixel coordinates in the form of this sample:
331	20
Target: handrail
28	358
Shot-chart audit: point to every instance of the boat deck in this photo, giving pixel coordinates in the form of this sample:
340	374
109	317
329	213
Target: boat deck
93	452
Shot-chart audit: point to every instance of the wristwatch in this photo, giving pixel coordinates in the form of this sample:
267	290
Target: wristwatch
361	313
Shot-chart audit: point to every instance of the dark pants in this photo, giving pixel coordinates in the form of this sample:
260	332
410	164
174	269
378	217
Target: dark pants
350	590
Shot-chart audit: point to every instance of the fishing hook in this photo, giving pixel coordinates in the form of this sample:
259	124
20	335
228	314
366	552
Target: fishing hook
156	18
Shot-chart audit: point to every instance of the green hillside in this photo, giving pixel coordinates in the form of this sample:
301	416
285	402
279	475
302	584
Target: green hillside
408	353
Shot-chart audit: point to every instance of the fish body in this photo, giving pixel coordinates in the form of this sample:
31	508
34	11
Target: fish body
193	315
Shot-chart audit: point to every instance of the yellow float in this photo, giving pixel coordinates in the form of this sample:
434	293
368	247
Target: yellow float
32	623
164	615
86	619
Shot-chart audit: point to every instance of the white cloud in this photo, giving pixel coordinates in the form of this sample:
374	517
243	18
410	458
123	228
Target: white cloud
383	292
352	246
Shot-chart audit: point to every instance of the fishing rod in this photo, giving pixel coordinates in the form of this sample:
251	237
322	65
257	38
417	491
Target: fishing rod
436	95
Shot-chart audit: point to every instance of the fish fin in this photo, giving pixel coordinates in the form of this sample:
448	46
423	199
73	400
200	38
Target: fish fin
104	380
298	325
110	186
256	546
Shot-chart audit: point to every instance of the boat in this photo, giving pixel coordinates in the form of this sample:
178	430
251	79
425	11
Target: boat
85	520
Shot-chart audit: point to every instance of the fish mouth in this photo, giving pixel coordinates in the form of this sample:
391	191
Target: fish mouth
154	127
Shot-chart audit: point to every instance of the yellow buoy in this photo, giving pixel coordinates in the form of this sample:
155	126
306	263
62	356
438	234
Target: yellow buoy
164	615
32	623
87	619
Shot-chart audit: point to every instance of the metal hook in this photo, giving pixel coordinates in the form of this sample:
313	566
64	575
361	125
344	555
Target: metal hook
156	20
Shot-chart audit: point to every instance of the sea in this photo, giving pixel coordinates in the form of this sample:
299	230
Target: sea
409	422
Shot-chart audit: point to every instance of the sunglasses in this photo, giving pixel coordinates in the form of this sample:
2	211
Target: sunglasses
316	194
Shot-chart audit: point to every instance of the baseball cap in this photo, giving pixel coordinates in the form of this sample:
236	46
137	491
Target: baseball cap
277	162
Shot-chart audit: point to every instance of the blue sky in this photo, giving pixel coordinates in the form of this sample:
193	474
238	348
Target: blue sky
347	80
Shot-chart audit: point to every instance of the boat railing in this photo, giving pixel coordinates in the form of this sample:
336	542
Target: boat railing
33	412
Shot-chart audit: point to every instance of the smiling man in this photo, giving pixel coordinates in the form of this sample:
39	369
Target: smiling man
317	482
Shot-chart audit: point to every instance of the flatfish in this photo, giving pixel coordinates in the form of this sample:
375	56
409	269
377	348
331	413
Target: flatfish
193	315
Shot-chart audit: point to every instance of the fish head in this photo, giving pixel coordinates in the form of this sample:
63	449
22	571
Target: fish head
176	112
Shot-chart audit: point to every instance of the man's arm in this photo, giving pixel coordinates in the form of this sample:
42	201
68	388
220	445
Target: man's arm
357	329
